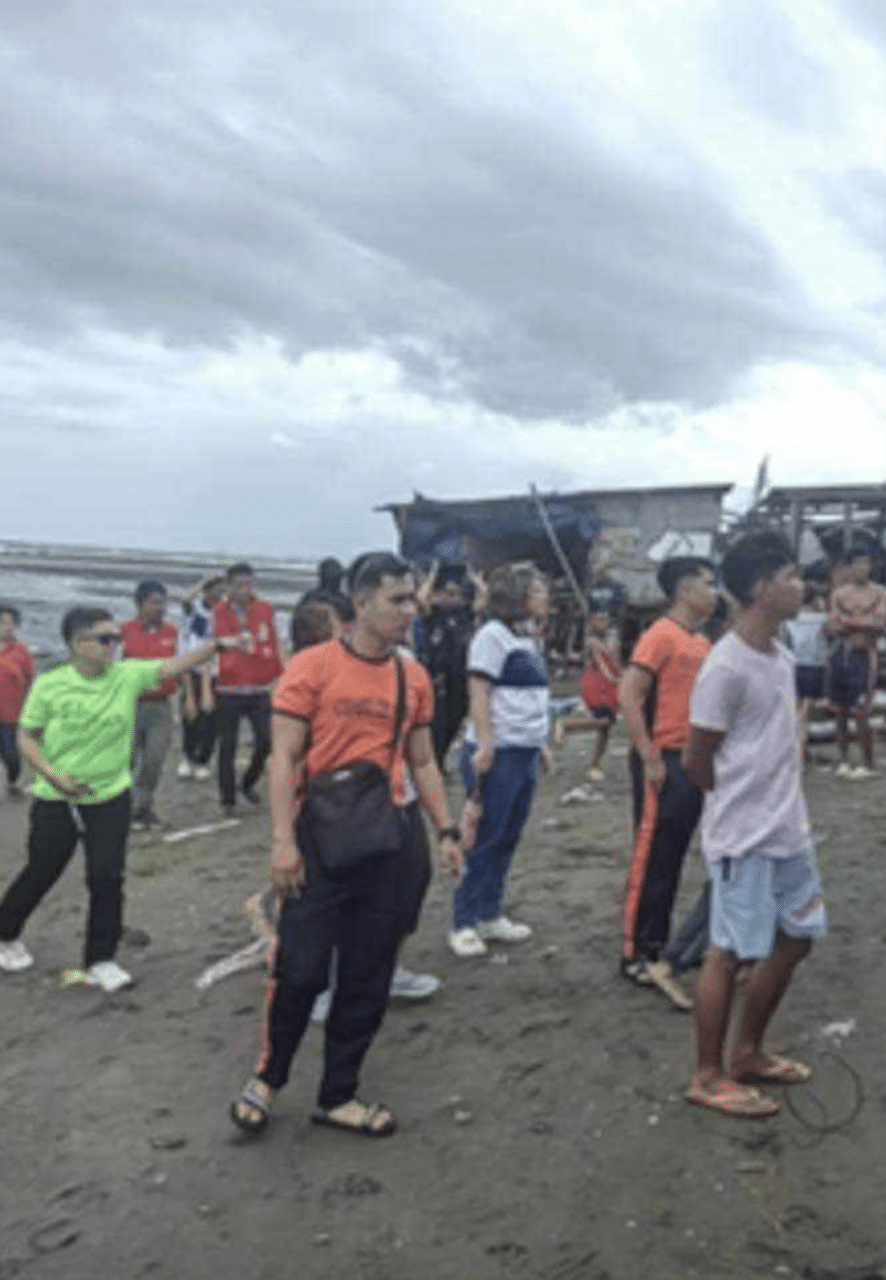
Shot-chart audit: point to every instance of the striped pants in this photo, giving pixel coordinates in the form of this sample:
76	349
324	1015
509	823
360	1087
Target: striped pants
665	824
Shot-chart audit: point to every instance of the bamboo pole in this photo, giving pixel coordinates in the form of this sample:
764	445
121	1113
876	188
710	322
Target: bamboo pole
558	551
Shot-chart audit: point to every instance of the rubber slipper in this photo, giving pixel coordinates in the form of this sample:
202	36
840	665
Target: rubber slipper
780	1071
748	1104
250	1097
666	982
367	1126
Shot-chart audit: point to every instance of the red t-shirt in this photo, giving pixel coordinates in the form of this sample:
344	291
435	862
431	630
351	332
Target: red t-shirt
161	642
349	703
673	656
16	674
262	664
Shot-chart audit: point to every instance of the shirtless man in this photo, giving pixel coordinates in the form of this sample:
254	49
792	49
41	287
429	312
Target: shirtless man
858	619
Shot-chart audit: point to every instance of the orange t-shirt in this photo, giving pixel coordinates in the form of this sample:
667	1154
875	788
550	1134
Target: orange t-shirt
349	703
258	666
158	642
16	674
674	657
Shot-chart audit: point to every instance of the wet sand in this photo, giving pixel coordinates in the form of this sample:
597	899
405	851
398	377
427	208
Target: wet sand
543	1128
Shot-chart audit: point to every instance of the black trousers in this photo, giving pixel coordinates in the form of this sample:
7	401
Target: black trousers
665	825
450	709
231	708
198	735
364	916
9	751
52	839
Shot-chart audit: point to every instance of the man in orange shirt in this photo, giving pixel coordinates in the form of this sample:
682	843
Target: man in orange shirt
349	700
654	697
16	675
149	636
244	683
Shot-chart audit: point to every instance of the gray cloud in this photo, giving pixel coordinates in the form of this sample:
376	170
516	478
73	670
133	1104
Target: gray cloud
325	175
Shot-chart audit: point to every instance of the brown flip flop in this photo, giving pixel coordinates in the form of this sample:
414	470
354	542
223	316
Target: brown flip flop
780	1071
741	1102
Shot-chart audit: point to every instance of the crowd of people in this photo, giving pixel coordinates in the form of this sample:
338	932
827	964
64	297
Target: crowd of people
356	728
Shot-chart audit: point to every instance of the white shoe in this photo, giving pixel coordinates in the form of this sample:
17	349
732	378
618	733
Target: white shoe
185	770
467	942
596	775
406	985
202	773
108	975
15	956
844	770
322	1005
864	772
503	930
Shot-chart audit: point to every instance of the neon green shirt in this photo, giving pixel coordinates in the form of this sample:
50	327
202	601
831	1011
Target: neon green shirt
88	724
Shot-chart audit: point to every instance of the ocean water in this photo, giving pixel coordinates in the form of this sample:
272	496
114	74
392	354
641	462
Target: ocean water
44	581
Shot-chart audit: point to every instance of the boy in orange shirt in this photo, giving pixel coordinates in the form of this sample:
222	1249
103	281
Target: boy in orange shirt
16	676
599	690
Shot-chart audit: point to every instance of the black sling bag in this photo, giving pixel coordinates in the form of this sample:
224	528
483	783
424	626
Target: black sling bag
350	813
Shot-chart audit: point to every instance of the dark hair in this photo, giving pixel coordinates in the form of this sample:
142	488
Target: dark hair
329	574
509	588
150	587
240	570
677	569
752	559
312	623
12	611
858	552
80	619
367	571
211	583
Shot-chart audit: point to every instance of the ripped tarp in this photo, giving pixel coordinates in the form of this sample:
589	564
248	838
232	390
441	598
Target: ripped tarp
497	531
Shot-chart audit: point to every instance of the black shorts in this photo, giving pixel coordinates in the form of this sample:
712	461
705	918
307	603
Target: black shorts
602	715
852	677
810	682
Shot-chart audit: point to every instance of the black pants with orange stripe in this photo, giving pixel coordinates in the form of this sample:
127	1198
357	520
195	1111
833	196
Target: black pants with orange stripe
665	825
362	916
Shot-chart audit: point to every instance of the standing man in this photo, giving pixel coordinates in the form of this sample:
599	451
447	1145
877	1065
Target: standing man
245	677
346	701
447	618
858	619
76	733
149	635
654	698
198	701
16	675
766	900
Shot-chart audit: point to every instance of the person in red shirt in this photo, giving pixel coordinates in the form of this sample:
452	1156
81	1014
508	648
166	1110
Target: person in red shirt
244	683
149	635
352	699
599	691
654	697
16	676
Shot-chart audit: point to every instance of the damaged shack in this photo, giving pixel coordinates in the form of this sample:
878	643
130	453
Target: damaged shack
624	533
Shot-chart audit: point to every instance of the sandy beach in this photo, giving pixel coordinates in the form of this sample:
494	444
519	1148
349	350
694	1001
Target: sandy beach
543	1128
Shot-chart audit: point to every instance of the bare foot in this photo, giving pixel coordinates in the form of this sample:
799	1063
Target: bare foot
720	1093
768	1068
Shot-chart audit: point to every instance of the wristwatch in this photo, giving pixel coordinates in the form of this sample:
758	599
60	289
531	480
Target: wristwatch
449	833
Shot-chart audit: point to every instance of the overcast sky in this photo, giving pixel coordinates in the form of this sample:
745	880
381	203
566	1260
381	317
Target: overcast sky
267	266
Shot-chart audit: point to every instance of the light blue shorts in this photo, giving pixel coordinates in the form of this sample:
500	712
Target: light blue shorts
755	896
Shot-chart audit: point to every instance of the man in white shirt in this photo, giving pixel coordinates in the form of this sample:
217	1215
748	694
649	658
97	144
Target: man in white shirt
766	899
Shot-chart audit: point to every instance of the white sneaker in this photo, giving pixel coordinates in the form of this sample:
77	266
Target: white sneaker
467	942
503	930
844	770
406	985
864	772
108	975
202	773
596	775
322	1005
185	770
15	956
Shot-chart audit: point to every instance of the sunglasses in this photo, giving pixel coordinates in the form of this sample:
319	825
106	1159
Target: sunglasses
106	637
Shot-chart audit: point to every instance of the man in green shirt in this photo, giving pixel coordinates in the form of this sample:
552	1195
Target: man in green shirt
76	732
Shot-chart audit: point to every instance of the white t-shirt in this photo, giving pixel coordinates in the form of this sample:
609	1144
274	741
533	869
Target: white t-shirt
808	639
519	677
757	803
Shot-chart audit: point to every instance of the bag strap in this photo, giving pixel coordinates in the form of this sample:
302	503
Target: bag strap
399	710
